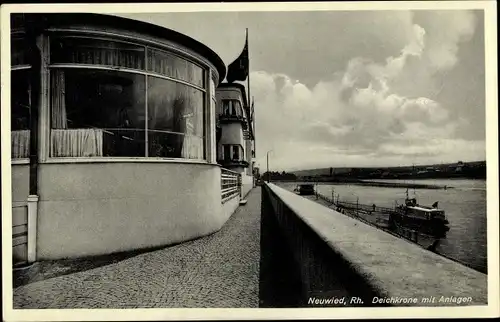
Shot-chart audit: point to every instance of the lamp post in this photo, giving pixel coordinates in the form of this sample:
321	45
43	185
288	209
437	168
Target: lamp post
268	174
357	205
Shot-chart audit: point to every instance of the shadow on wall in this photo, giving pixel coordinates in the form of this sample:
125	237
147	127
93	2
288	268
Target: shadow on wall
298	267
279	280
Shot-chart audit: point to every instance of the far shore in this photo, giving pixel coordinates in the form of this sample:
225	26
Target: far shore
373	184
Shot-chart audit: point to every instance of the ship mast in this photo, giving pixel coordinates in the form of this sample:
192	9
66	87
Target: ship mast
414	193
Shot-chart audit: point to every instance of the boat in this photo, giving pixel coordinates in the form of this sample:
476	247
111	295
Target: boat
425	226
429	220
426	241
305	189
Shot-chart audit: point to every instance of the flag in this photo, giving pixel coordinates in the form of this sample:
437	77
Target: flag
252	111
238	69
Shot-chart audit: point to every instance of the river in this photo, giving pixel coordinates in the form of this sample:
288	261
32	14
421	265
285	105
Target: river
464	204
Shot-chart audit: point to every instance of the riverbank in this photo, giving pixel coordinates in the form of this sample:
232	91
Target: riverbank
401	185
465	207
377	221
357	182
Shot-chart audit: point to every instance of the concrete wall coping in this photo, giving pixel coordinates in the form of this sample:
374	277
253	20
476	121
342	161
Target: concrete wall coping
393	266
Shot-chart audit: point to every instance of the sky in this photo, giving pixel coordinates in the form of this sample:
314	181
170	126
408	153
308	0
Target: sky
355	88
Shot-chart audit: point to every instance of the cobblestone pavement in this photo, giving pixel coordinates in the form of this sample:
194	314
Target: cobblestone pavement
220	270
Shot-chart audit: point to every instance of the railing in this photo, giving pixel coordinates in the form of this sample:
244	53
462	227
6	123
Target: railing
234	162
366	208
231	117
354	210
360	212
230	185
356	206
246	135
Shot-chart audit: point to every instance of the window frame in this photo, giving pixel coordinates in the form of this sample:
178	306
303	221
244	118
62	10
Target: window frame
15	68
232	148
230	106
146	44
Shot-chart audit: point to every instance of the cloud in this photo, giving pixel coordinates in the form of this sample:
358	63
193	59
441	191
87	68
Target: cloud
450	28
359	116
341	87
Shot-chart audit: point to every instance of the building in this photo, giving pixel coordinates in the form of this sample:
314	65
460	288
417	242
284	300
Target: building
235	146
113	139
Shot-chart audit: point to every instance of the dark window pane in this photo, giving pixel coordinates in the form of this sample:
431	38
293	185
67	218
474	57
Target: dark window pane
17	21
96	52
237	108
175	120
20	113
18	52
227	152
225	107
20	99
97	113
176	67
236	152
232	108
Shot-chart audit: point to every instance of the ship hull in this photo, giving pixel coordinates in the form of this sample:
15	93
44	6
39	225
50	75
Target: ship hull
434	227
424	240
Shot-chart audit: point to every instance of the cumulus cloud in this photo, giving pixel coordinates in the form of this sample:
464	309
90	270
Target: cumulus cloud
356	87
358	115
449	30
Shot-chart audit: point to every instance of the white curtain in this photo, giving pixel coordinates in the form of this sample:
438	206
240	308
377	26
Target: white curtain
20	144
192	147
58	106
76	143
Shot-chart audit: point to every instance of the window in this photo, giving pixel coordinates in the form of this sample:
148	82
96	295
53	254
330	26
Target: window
20	113
227	152
107	112
232	108
175	119
18	53
232	152
213	87
171	65
225	107
87	51
20	98
236	153
97	113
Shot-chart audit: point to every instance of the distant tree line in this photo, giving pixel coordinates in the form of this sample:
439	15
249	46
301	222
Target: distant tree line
279	176
472	170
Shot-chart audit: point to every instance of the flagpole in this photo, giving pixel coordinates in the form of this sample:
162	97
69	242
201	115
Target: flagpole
250	105
253	129
248	77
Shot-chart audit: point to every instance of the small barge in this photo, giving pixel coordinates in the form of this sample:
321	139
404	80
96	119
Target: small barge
305	189
428	220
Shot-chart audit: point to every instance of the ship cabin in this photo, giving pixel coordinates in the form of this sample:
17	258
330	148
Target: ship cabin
235	140
423	212
113	136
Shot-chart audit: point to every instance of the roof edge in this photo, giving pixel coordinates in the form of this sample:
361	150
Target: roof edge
137	26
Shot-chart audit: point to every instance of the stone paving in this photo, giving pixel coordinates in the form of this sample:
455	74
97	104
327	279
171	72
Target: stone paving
220	270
